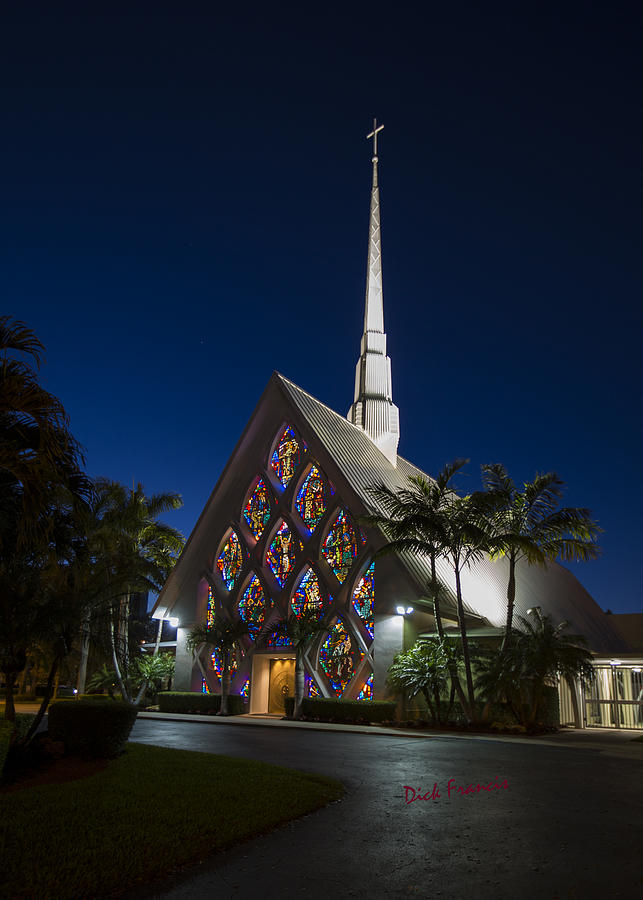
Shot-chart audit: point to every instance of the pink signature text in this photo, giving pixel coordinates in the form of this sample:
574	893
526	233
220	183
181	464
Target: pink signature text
411	794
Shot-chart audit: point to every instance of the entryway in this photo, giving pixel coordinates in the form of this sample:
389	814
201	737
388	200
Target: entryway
282	684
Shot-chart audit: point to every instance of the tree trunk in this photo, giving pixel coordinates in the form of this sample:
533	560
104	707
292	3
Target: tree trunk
225	682
435	591
117	667
84	652
511	597
451	698
123	637
471	711
9	705
52	679
300	682
453	669
427	697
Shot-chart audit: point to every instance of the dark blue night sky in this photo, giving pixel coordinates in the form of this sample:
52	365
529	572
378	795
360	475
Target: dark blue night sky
185	204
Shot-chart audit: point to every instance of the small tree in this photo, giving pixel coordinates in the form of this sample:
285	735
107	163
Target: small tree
534	658
154	670
103	679
426	669
301	631
220	634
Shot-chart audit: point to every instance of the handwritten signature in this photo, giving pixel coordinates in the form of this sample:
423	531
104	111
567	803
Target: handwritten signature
411	794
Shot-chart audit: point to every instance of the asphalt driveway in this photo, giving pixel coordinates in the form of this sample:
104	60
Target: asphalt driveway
568	824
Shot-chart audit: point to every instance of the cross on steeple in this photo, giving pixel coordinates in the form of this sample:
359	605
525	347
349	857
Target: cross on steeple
373	135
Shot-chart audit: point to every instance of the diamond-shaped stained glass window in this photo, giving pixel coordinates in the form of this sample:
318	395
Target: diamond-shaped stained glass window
342	545
252	607
230	561
367	691
257	509
282	553
312	498
364	598
217	662
339	656
308	595
245	690
286	457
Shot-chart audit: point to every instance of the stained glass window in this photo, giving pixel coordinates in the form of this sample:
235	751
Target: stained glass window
313	690
204	686
308	595
339	656
278	639
210	610
367	691
283	552
257	509
230	561
245	690
312	498
342	545
364	598
217	663
286	457
252	607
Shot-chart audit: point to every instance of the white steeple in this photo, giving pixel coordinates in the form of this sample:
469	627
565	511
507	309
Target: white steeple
373	409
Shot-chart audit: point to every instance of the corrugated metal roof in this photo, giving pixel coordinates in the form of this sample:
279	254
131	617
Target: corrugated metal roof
553	588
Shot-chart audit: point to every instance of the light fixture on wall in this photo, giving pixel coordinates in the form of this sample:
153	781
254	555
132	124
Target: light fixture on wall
403	610
615	662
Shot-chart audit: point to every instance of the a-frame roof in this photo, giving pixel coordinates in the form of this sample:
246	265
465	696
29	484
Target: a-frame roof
363	465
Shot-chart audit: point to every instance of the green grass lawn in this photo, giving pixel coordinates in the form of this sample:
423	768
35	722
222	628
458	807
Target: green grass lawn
150	811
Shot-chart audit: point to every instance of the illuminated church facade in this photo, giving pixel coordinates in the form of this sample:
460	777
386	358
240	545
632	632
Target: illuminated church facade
281	533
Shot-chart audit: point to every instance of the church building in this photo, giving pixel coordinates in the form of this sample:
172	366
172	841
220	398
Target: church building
281	533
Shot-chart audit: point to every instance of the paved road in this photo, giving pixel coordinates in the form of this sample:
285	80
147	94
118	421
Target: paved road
569	825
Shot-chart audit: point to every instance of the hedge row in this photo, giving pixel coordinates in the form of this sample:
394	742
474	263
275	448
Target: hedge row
359	711
90	728
195	702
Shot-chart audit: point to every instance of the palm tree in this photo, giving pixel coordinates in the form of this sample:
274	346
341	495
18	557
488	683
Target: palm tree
301	631
430	519
221	635
527	525
538	653
37	450
140	552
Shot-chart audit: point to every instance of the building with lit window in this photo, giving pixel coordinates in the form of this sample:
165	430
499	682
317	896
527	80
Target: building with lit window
281	533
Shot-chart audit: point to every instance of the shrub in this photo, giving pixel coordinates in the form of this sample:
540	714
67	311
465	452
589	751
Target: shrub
356	711
90	728
196	702
549	711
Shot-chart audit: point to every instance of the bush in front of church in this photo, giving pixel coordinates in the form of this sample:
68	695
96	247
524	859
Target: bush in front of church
196	702
356	712
91	728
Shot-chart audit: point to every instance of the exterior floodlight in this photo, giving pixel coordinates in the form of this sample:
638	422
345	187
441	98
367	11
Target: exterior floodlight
400	610
409	610
76	689
174	622
636	669
615	662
